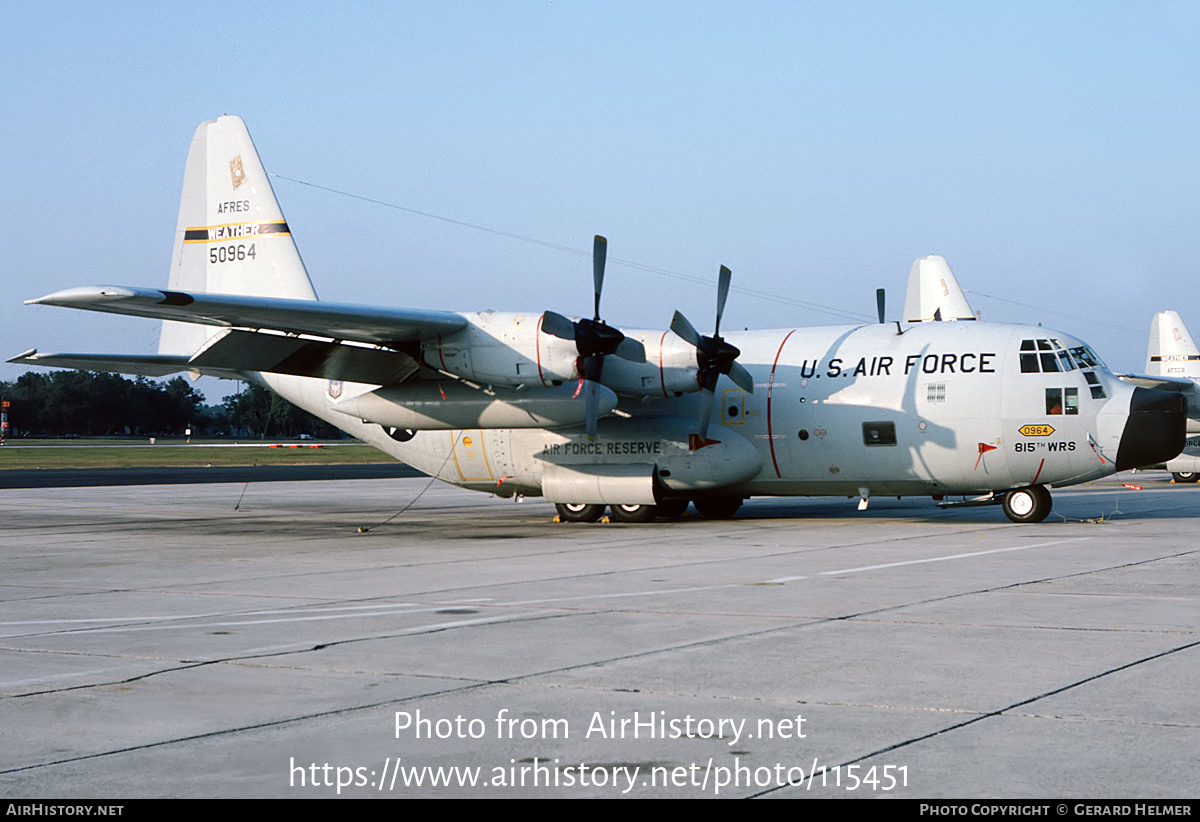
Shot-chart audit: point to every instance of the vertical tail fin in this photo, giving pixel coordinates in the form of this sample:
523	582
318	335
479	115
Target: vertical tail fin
231	237
933	293
1172	352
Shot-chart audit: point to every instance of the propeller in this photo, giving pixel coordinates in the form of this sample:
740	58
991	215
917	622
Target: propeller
594	339
713	354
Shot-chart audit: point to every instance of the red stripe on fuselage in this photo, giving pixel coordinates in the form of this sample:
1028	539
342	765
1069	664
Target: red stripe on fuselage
537	343
770	388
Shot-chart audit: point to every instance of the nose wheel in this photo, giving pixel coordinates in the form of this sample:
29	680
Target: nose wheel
1030	504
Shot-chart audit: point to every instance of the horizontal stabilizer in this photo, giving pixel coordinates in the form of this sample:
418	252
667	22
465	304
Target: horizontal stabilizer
339	321
274	353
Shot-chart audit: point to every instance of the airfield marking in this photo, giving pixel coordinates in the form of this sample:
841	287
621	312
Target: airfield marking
955	556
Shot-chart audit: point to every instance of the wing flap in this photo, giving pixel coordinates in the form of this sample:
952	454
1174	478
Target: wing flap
340	321
249	351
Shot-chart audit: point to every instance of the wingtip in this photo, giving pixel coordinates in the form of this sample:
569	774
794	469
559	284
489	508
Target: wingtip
88	295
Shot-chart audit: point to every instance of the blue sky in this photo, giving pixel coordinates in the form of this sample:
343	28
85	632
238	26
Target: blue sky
1048	150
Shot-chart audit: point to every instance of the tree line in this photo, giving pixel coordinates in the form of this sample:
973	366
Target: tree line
82	403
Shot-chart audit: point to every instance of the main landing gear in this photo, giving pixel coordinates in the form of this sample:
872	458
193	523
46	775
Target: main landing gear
1185	476
708	507
578	512
1030	504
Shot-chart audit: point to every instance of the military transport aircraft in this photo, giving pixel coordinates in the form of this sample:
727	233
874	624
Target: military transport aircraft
640	421
1173	364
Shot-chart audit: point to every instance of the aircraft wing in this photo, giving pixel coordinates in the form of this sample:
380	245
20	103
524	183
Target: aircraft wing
1181	385
234	353
339	321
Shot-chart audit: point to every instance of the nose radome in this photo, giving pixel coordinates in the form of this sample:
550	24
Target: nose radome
1154	430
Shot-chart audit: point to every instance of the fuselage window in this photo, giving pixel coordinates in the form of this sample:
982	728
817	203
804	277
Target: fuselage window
879	433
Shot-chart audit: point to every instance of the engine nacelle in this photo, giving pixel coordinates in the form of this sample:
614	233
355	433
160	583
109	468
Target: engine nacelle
669	371
511	350
504	349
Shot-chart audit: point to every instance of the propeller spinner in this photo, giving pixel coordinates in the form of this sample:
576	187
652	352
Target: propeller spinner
714	355
594	338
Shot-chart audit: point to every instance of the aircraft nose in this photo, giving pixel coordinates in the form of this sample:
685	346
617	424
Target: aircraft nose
1154	429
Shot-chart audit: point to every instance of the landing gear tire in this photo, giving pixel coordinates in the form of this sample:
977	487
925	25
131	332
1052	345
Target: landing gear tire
718	507
578	511
1185	476
1030	504
672	508
633	513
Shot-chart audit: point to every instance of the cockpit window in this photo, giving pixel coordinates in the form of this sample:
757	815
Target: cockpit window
1094	384
1062	401
1051	356
1084	356
1071	400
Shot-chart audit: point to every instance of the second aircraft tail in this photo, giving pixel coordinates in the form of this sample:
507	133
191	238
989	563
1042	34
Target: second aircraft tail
1172	352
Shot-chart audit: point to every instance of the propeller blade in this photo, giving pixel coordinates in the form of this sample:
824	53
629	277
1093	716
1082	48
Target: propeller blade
599	253
706	406
714	356
879	300
594	340
631	350
592	367
741	377
591	399
681	326
722	292
556	325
